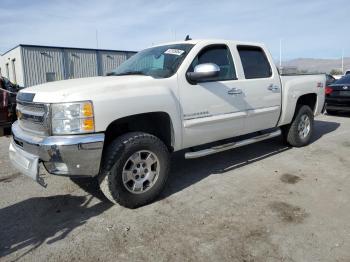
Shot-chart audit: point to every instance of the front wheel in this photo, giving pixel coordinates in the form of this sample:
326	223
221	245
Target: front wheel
299	132
134	170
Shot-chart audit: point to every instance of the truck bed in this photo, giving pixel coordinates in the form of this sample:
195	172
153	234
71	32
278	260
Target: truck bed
295	85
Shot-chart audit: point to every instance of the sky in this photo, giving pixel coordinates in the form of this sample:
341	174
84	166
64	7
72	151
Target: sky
306	28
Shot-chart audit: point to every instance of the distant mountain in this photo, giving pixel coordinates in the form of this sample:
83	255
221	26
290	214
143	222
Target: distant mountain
317	65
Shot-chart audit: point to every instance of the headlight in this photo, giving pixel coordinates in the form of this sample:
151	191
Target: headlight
72	118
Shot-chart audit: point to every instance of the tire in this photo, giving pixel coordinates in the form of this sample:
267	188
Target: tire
292	133
122	157
331	112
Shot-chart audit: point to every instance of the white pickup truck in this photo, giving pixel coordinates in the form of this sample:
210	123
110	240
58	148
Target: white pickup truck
206	96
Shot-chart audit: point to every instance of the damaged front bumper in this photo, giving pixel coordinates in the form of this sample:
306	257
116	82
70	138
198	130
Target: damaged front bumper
74	155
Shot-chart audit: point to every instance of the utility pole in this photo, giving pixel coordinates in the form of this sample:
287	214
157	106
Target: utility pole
96	39
173	34
342	61
280	55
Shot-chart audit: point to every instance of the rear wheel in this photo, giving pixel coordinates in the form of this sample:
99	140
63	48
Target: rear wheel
135	169
299	132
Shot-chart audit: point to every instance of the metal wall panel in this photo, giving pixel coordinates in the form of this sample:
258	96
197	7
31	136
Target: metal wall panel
38	62
80	63
43	64
110	60
130	54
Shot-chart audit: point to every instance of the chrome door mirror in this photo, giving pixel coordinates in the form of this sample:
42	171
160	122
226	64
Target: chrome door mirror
203	71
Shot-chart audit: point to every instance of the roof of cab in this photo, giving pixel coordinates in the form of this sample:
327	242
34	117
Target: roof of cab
210	41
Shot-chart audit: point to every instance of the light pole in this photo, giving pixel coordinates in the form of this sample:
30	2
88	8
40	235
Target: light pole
280	56
96	35
342	61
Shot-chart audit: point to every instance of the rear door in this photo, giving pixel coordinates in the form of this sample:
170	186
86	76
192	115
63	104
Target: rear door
261	87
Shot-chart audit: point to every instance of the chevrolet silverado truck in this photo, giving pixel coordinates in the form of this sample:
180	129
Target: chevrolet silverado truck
205	96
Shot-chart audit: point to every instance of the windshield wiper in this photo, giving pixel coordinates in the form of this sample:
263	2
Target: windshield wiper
128	73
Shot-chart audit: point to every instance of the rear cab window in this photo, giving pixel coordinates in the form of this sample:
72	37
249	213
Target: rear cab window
254	62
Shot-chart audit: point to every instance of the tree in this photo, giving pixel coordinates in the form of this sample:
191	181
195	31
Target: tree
336	72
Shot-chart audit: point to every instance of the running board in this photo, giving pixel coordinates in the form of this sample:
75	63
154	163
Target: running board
228	146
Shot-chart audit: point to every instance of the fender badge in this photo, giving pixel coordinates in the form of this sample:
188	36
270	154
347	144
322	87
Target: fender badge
320	85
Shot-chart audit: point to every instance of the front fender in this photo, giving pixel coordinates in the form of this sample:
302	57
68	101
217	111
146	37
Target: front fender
123	104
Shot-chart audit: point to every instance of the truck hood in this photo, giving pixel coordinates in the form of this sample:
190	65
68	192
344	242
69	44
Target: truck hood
86	88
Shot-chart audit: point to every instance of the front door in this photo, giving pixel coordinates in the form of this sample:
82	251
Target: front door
212	109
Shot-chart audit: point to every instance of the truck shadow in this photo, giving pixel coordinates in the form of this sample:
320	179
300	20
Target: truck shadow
341	114
28	224
322	128
188	172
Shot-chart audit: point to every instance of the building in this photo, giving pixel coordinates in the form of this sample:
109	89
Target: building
29	65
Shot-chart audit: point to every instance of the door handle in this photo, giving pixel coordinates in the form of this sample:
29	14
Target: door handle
273	88
234	91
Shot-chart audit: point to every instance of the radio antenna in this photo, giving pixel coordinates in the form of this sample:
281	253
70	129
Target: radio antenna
188	38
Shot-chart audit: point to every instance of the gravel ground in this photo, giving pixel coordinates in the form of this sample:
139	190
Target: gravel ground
263	202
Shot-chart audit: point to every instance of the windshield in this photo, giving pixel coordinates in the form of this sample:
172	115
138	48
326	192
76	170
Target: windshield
343	80
158	62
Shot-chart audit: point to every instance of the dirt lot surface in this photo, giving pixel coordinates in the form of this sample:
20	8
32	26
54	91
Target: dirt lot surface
263	202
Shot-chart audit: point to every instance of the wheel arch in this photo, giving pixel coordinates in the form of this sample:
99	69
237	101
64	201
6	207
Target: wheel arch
309	99
158	124
290	109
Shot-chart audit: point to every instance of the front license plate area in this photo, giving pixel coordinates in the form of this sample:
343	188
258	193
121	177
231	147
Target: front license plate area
24	162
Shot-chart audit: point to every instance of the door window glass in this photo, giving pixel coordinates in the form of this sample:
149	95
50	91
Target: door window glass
219	55
254	62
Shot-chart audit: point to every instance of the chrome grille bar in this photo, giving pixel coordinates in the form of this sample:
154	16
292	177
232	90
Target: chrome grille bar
34	117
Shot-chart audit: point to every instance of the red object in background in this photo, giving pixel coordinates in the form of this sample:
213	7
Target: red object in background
7	104
3	99
3	107
328	90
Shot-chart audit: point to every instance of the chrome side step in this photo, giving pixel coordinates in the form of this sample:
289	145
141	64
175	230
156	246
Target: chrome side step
228	146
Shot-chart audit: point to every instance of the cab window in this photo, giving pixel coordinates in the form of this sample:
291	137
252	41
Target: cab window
254	62
219	55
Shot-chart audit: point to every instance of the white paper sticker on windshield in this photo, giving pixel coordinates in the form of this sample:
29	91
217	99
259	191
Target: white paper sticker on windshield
174	52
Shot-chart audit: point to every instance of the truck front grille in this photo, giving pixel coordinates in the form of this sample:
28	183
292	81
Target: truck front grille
34	117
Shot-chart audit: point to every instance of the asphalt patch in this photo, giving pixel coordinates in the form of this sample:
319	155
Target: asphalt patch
290	179
346	144
289	213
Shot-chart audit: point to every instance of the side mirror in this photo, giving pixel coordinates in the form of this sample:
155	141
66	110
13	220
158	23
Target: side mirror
203	71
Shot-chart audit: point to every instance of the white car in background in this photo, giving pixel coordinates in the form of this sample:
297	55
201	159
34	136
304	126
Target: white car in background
337	77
